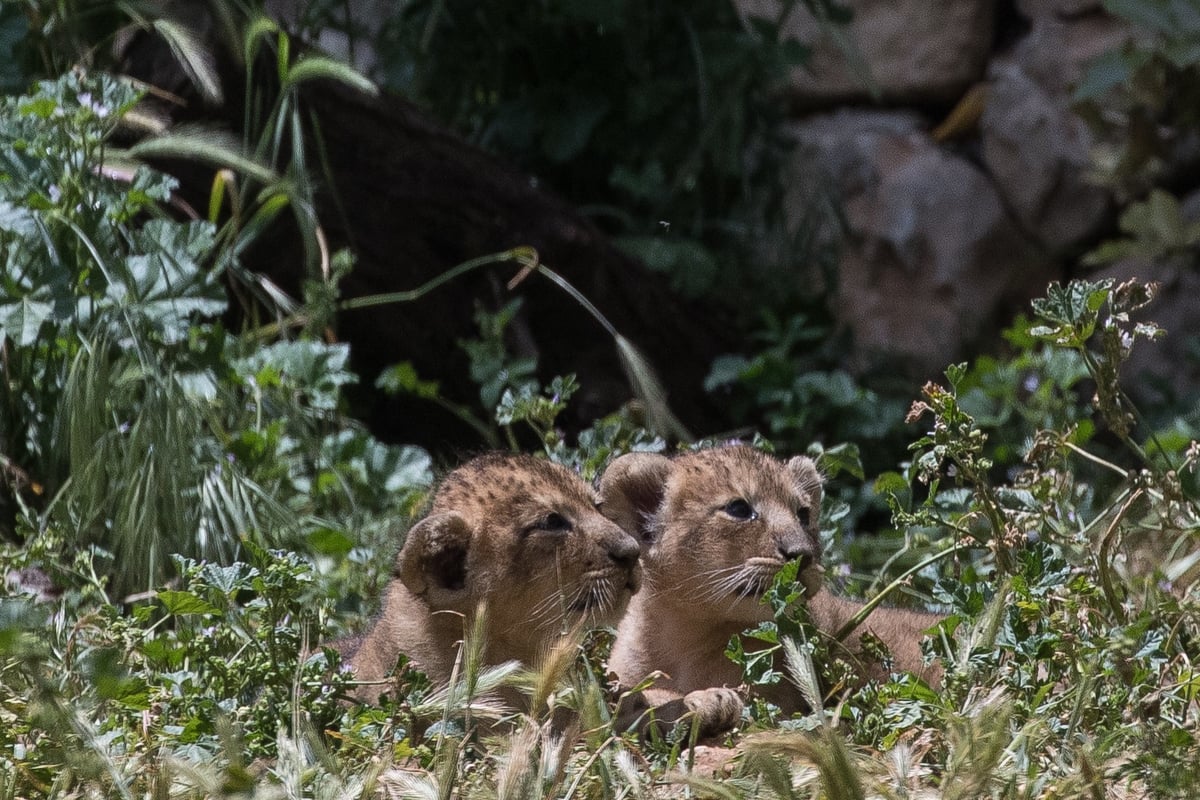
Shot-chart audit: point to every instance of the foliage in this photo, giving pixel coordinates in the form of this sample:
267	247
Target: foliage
1068	618
1142	96
794	390
1039	512
1068	642
132	421
656	116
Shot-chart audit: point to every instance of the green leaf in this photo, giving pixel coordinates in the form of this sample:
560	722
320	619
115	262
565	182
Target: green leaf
17	220
186	603
320	68
403	378
570	128
1159	16
692	266
1108	71
316	369
330	542
231	579
190	53
22	321
955	373
844	457
890	483
725	371
218	149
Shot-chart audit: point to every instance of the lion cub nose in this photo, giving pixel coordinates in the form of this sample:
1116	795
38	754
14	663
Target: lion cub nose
796	548
625	551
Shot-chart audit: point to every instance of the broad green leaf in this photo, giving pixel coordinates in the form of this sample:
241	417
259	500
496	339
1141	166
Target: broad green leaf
725	371
844	457
228	580
17	220
185	603
22	321
317	369
330	542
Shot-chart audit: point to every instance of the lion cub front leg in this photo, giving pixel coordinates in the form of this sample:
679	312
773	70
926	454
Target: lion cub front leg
718	709
713	711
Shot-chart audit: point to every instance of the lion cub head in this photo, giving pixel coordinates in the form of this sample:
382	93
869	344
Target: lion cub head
512	533
716	525
525	536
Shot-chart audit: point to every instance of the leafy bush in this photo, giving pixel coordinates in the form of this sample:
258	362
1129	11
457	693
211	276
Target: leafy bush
1050	523
657	118
132	421
1068	642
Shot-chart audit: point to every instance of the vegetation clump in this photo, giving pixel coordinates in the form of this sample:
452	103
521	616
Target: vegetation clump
187	516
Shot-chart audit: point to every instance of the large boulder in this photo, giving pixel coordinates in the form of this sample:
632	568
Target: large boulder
931	261
1036	149
1065	9
920	52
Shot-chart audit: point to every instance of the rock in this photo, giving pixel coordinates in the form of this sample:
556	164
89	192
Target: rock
931	259
1036	9
1037	152
915	51
1056	53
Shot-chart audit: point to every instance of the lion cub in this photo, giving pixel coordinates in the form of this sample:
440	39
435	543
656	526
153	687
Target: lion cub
518	533
715	527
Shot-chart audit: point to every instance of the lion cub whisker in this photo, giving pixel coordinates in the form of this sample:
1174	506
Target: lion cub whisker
477	548
706	571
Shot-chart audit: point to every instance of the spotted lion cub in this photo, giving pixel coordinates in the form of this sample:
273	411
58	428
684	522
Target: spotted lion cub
715	527
516	533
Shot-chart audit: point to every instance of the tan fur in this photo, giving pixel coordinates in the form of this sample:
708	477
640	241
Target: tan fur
706	569
521	535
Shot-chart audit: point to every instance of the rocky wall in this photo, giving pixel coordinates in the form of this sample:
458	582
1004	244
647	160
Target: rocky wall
947	130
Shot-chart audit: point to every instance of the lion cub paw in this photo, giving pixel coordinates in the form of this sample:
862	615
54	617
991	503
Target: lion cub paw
718	709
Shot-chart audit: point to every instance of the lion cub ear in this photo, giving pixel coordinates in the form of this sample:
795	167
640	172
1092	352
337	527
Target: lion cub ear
807	479
434	556
631	490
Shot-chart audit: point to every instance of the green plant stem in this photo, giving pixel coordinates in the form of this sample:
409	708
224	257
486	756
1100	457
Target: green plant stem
991	508
525	256
583	771
575	294
1138	419
1095	459
1104	567
849	626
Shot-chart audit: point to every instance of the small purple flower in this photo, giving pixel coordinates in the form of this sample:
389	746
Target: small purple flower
96	107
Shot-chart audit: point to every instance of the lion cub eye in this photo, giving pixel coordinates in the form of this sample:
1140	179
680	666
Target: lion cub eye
552	523
739	509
